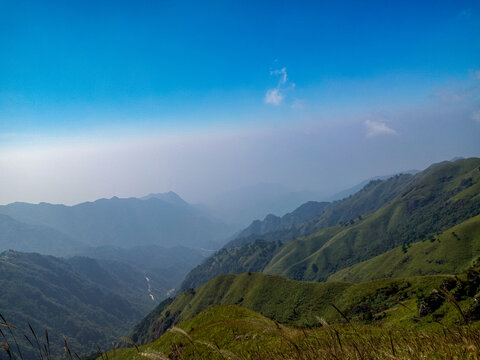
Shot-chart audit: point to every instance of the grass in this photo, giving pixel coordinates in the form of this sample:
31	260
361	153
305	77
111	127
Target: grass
451	252
232	332
291	302
397	212
441	197
250	257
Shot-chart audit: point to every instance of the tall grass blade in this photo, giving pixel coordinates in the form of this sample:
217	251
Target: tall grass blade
36	340
129	341
6	348
67	349
10	327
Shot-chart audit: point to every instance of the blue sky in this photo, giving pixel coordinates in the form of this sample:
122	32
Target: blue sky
117	71
171	61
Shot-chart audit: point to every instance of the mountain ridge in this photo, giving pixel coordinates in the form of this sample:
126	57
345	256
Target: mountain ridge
122	222
19	236
375	219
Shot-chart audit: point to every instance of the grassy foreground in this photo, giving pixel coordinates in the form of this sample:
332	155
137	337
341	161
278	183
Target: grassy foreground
233	332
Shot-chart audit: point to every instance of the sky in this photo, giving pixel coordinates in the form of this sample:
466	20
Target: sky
125	98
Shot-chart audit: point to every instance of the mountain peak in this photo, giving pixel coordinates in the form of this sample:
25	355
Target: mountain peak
170	197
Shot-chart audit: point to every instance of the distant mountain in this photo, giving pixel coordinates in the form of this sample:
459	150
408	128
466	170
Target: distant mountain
304	212
274	224
244	205
15	235
169	197
89	301
354	189
128	231
163	220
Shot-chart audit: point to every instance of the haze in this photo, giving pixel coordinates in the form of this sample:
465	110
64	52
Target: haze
126	99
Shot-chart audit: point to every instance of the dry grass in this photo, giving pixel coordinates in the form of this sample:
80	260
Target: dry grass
240	338
235	339
342	342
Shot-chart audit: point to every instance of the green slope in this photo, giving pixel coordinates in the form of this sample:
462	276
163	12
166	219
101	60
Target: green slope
284	300
251	257
230	259
370	198
383	215
443	201
233	332
448	253
443	195
228	327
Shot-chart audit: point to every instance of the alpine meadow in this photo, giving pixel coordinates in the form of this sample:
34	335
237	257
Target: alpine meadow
239	180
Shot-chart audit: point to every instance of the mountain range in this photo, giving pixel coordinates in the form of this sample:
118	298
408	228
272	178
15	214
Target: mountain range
383	255
401	252
157	220
398	211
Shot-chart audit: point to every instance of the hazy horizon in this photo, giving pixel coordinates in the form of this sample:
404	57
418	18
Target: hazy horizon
126	99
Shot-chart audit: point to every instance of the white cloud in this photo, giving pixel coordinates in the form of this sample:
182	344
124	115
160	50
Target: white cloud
283	75
274	97
378	128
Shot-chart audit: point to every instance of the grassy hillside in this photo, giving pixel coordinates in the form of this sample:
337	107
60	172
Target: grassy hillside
383	215
430	220
287	301
298	250
373	195
233	332
229	312
251	257
444	195
370	198
451	252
